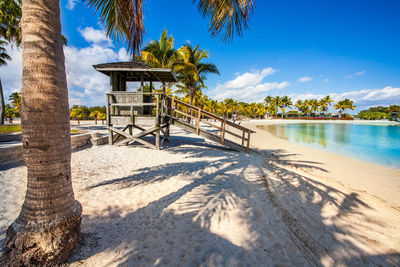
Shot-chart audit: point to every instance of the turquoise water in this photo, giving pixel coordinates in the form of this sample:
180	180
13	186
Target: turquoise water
374	143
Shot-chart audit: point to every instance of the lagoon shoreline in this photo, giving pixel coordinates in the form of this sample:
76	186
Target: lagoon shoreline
381	181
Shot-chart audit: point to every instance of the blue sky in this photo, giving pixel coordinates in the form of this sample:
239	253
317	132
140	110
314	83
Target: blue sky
297	48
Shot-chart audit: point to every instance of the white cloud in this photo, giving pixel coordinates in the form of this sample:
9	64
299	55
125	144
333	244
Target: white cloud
71	4
73	93
360	73
81	74
283	85
362	98
305	79
249	78
86	85
123	55
248	86
326	80
94	36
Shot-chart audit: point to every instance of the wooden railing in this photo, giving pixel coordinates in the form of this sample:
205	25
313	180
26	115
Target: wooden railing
131	104
194	116
168	110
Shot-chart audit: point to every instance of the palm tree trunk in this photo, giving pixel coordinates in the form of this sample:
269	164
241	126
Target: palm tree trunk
47	229
190	102
2	105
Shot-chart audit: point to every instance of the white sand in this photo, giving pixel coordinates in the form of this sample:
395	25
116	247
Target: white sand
194	203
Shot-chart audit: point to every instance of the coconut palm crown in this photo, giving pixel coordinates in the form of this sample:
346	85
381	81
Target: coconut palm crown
191	70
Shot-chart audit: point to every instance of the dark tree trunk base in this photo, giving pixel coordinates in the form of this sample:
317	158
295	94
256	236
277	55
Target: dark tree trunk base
42	245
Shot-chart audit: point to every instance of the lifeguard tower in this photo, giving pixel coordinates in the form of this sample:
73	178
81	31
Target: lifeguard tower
128	112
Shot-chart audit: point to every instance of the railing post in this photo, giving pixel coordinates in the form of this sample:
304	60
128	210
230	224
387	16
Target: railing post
108	119
223	132
198	121
243	137
157	123
172	110
248	142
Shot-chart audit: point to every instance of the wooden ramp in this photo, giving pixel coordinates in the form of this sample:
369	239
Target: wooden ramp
208	125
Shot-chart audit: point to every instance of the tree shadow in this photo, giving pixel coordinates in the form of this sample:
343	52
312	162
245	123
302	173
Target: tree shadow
284	211
173	228
302	202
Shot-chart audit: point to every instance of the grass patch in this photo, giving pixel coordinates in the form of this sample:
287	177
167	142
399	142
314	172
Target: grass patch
7	129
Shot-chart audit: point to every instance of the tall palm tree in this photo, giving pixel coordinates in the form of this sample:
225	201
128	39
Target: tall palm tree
160	54
191	70
3	57
48	227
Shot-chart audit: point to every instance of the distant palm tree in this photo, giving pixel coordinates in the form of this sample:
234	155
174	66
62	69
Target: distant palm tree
231	104
303	106
343	105
3	57
268	99
95	114
286	102
260	110
324	103
272	107
211	105
314	105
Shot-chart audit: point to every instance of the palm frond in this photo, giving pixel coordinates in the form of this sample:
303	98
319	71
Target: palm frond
227	17
123	20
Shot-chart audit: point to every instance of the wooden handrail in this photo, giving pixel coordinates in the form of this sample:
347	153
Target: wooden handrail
245	141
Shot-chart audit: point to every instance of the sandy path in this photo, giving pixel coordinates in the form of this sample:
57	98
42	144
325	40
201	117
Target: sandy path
194	203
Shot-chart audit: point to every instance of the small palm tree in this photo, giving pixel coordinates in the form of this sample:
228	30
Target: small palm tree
95	115
102	117
77	114
10	113
15	99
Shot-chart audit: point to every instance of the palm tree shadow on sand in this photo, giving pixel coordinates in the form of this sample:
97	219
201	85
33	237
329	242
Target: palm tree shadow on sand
285	221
